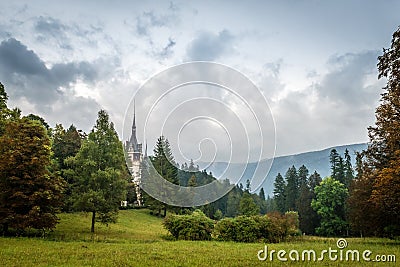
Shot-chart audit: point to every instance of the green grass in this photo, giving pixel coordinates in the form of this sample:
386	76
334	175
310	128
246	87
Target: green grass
137	240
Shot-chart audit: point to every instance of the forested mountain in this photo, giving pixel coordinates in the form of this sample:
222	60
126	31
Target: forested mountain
314	160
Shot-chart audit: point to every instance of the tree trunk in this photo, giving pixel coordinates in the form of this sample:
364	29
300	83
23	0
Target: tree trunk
165	211
93	221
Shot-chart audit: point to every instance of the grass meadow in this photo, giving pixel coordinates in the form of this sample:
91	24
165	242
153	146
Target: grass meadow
139	239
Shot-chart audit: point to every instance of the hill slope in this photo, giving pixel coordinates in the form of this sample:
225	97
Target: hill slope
314	161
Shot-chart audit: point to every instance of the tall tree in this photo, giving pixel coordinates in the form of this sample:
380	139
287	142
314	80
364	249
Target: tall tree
292	188
279	193
262	194
30	196
348	169
329	202
165	165
384	149
100	173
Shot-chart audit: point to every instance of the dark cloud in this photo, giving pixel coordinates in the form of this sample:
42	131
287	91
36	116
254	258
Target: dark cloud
47	89
210	46
16	58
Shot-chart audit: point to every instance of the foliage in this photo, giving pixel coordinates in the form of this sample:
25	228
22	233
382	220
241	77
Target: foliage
279	193
291	190
99	173
377	188
247	206
30	196
329	202
164	163
272	227
196	226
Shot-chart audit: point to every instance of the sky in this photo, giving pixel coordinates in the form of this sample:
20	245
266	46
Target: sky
314	63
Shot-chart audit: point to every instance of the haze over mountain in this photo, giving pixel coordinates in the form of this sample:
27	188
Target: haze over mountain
314	161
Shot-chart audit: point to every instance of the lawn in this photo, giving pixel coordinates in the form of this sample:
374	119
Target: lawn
138	239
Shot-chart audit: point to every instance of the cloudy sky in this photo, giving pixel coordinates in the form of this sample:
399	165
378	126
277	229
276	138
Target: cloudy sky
313	61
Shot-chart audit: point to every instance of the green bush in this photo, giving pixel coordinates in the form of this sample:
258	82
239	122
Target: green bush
271	228
196	226
225	230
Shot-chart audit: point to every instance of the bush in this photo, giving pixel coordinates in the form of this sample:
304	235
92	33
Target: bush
271	228
196	226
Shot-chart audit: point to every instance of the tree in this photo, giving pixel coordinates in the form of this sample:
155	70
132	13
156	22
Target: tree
66	143
262	194
164	163
337	166
247	206
192	181
348	169
292	188
30	196
5	113
329	202
100	174
302	176
383	152
279	193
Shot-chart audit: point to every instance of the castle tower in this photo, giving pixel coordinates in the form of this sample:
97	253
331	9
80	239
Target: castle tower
135	157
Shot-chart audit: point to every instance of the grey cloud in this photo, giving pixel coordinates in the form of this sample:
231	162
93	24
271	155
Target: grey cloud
336	110
149	19
51	26
29	78
346	81
16	58
210	46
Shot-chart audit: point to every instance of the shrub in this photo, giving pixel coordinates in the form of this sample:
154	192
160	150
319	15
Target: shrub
196	226
271	228
225	230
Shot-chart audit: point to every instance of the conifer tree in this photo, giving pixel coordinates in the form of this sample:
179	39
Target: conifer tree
292	188
279	193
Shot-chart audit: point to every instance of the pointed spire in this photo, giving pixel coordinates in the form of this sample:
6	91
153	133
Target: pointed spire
145	150
133	139
134	115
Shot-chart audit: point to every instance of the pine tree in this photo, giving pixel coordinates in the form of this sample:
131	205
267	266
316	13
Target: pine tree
292	188
334	160
165	165
348	169
262	194
279	193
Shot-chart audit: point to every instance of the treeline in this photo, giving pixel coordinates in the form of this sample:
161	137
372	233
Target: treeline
321	204
44	171
239	201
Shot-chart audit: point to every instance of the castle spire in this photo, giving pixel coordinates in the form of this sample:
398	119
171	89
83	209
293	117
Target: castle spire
133	139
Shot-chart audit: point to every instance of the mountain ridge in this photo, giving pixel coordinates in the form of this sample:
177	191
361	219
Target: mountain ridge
314	161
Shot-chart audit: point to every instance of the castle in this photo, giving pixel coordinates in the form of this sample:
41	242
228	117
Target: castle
135	158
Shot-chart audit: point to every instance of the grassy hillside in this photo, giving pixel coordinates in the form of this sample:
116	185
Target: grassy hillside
137	240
